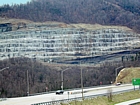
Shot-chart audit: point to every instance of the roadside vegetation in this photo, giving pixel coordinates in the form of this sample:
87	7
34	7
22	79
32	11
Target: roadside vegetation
104	100
47	77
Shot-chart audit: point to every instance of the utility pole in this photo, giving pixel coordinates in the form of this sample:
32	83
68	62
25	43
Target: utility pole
82	81
27	83
2	70
62	78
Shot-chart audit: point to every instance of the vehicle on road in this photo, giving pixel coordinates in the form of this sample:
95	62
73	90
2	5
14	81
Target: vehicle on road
117	84
59	91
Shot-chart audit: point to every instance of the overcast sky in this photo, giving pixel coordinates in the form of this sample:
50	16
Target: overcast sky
13	2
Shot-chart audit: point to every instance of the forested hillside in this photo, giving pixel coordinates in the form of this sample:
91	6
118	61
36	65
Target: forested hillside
106	12
14	81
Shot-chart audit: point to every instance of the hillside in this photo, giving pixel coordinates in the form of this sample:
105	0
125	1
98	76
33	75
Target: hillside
13	81
16	22
104	12
127	74
45	29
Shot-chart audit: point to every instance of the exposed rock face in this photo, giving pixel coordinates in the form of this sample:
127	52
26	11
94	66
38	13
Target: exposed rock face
53	41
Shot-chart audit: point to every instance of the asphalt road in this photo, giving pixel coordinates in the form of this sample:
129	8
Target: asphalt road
73	94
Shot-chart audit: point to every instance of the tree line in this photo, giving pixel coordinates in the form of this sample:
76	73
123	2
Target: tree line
105	12
44	77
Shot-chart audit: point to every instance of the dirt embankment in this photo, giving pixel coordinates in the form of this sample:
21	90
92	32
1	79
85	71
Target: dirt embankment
127	74
21	24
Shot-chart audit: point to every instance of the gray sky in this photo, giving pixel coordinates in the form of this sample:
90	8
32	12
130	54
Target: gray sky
13	2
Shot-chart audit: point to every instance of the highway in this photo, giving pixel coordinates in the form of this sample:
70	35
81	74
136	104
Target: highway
73	94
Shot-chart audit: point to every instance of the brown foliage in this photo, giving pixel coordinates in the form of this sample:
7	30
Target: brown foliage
105	12
13	81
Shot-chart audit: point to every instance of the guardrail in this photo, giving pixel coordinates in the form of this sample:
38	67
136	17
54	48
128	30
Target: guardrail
59	101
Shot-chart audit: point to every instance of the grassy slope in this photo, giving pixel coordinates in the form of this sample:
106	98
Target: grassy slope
127	74
118	98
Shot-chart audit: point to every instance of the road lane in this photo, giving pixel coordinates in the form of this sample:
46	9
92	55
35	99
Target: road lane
53	97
